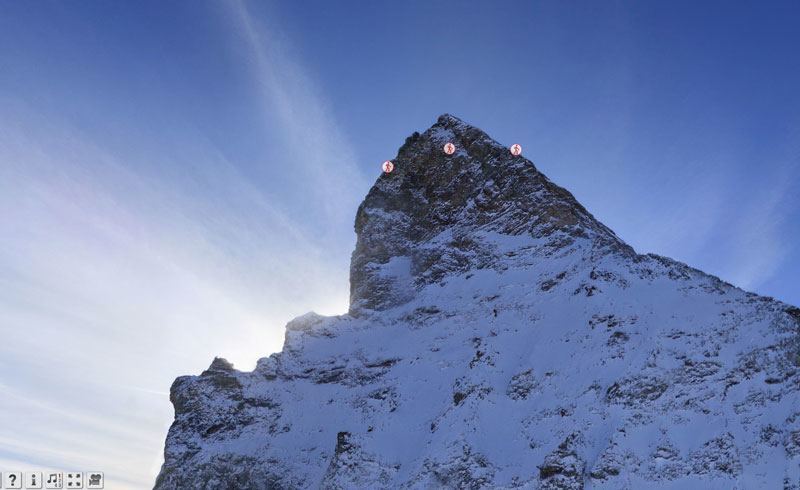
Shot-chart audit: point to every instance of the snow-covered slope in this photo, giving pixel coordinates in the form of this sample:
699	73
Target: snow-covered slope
500	337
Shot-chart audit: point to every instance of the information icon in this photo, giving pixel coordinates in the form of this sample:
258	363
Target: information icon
449	148
387	166
33	479
516	150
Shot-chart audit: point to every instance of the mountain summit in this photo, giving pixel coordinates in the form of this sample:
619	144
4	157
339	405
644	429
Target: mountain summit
437	215
499	336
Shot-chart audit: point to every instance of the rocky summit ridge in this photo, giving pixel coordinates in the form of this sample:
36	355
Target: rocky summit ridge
429	217
499	336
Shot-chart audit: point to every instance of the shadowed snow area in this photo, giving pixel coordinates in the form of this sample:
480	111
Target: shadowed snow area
499	336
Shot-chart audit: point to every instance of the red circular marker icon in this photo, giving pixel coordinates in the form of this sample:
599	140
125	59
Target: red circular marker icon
387	166
449	148
516	150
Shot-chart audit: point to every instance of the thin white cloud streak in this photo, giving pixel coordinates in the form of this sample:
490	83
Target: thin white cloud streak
116	277
739	237
292	103
759	248
686	225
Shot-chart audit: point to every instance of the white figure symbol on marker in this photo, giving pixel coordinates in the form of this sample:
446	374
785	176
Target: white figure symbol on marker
387	166
449	148
516	150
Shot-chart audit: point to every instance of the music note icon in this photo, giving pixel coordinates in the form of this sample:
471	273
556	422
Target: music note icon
54	480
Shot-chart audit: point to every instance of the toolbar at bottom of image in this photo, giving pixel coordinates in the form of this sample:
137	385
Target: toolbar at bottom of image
52	479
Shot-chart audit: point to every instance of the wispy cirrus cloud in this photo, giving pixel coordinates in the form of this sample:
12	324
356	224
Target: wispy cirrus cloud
292	104
125	265
758	248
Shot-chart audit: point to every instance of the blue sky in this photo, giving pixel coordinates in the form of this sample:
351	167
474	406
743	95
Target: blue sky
179	179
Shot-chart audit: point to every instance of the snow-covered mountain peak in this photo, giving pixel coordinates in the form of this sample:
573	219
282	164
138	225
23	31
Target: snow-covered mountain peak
501	337
438	214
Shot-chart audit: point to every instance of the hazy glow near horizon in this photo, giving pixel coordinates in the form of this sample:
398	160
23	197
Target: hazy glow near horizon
125	265
174	191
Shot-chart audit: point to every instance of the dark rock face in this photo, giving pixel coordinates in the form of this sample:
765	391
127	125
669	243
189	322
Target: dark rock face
352	468
563	469
418	223
521	385
501	337
636	391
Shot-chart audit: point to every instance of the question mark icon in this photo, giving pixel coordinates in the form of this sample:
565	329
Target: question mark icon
13	478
